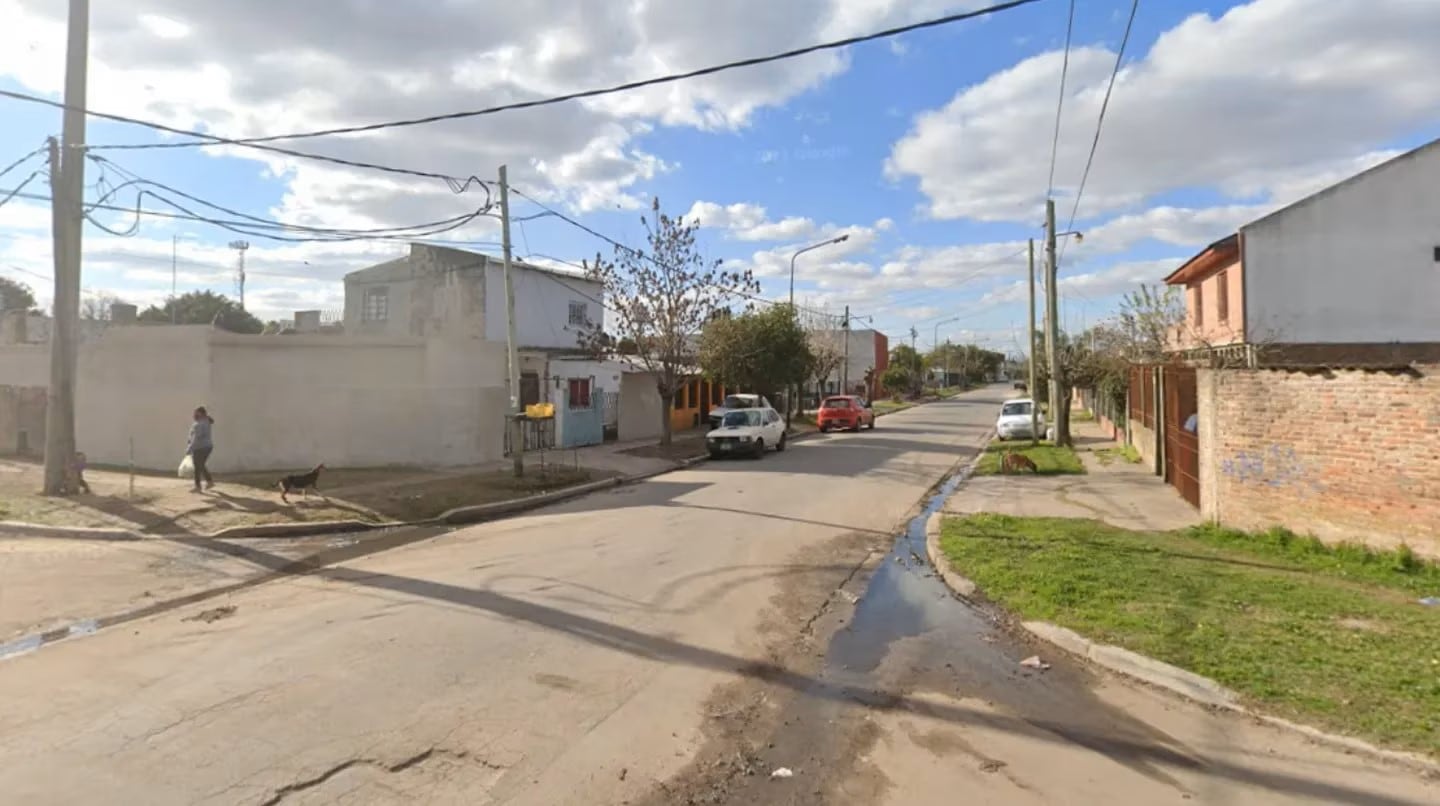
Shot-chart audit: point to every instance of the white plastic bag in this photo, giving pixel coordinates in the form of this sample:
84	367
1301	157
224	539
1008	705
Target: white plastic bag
187	467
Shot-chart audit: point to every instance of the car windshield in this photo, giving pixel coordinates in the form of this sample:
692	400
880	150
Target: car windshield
1012	409
836	403
739	419
733	402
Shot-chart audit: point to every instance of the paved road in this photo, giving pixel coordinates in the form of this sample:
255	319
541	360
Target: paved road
668	642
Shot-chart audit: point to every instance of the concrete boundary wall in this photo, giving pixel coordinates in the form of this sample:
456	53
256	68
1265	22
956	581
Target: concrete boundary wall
280	402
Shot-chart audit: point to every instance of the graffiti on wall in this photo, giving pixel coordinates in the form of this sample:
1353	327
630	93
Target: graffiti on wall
1275	466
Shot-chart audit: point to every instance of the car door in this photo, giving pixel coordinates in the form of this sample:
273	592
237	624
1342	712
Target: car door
774	427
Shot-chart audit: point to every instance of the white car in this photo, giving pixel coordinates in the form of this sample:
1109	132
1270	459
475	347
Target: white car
748	432
735	403
1014	420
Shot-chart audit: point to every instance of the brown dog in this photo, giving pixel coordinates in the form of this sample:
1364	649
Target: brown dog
1014	462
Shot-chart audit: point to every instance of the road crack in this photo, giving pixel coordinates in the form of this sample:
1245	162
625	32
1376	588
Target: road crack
419	759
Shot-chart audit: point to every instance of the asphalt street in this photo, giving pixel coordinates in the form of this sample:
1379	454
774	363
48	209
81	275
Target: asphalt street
671	641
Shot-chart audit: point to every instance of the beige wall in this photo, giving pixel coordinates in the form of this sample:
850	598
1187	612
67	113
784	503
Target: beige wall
640	409
281	401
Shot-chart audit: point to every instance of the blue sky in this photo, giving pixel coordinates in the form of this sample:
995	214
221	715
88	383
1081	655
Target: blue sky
931	151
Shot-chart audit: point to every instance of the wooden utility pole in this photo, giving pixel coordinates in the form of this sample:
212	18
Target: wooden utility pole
1030	351
513	421
67	183
1052	326
845	367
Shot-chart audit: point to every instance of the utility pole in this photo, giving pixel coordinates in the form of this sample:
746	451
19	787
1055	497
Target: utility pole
240	246
67	184
517	431
845	367
1030	351
919	365
1052	333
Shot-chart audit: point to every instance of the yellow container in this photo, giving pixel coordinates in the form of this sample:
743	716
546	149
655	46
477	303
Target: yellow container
540	410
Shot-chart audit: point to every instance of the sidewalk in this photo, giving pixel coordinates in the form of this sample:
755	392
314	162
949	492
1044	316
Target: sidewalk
1118	493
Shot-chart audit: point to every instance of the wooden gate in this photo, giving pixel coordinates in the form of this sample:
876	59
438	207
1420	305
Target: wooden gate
1182	444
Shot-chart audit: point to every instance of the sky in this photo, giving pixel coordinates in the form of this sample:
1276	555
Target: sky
931	151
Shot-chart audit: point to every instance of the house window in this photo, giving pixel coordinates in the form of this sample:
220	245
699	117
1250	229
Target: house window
577	315
579	393
1222	296
1198	298
375	306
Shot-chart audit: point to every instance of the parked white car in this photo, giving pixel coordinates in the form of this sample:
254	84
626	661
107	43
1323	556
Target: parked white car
1014	420
735	403
748	432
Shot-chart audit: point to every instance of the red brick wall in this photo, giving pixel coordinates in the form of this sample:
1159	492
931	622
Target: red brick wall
882	362
1352	455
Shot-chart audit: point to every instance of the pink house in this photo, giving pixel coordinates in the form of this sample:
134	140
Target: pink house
1214	283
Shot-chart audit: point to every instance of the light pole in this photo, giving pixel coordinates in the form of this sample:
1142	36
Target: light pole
935	341
839	239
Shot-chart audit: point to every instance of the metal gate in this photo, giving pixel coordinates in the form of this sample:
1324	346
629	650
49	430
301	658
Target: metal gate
1182	446
539	433
610	416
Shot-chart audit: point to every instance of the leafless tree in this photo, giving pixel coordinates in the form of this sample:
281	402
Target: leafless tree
827	344
659	298
96	306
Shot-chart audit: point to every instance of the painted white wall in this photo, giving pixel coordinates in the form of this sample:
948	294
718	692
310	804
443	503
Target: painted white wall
862	357
542	306
1355	263
282	402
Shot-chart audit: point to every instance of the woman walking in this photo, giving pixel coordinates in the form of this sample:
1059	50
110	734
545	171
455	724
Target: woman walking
200	447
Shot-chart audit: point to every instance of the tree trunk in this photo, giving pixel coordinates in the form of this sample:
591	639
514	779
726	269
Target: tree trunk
1062	418
666	401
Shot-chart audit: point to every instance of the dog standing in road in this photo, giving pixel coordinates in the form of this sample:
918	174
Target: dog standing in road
302	483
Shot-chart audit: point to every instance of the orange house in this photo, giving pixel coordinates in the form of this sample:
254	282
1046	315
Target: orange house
693	402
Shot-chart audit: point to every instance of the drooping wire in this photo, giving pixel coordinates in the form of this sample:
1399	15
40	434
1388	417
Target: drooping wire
17	163
258	142
1100	121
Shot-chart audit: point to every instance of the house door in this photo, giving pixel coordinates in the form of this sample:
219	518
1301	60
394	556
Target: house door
611	415
1182	446
529	388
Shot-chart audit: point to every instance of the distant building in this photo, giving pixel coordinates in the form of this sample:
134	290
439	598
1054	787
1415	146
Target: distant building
439	291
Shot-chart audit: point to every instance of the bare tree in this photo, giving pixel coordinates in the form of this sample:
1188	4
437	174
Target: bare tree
660	298
96	307
827	345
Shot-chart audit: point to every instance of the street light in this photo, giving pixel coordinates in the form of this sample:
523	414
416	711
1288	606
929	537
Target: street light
935	345
840	239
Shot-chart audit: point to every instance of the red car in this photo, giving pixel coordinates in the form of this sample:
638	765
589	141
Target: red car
845	411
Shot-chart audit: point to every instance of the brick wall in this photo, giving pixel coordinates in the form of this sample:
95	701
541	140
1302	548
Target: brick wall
1344	455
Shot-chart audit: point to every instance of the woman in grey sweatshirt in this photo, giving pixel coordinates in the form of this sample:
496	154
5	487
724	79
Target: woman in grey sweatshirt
201	444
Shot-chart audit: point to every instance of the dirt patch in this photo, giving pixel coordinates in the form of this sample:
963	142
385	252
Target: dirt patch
164	505
1362	625
749	721
681	448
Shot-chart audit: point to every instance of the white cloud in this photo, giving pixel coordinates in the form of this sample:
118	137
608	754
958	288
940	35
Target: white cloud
1118	279
1256	101
749	222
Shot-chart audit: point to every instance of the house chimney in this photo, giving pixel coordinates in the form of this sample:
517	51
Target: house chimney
123	314
307	321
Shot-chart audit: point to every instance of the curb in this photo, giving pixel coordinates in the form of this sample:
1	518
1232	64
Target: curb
1187	684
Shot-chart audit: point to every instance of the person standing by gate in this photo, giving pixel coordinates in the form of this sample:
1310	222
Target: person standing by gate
200	447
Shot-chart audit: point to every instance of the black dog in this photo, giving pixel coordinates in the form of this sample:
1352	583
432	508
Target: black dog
302	483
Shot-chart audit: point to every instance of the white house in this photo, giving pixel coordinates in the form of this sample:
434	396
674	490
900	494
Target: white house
437	290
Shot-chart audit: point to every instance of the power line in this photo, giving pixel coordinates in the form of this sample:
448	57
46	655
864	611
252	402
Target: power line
17	163
1100	121
455	183
256	142
1060	102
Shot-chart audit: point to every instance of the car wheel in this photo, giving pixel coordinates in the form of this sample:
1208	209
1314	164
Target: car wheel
872	423
759	449
714	454
824	429
780	446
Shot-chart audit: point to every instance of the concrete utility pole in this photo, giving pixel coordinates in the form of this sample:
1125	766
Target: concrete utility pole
845	366
1052	320
1030	351
517	430
67	183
